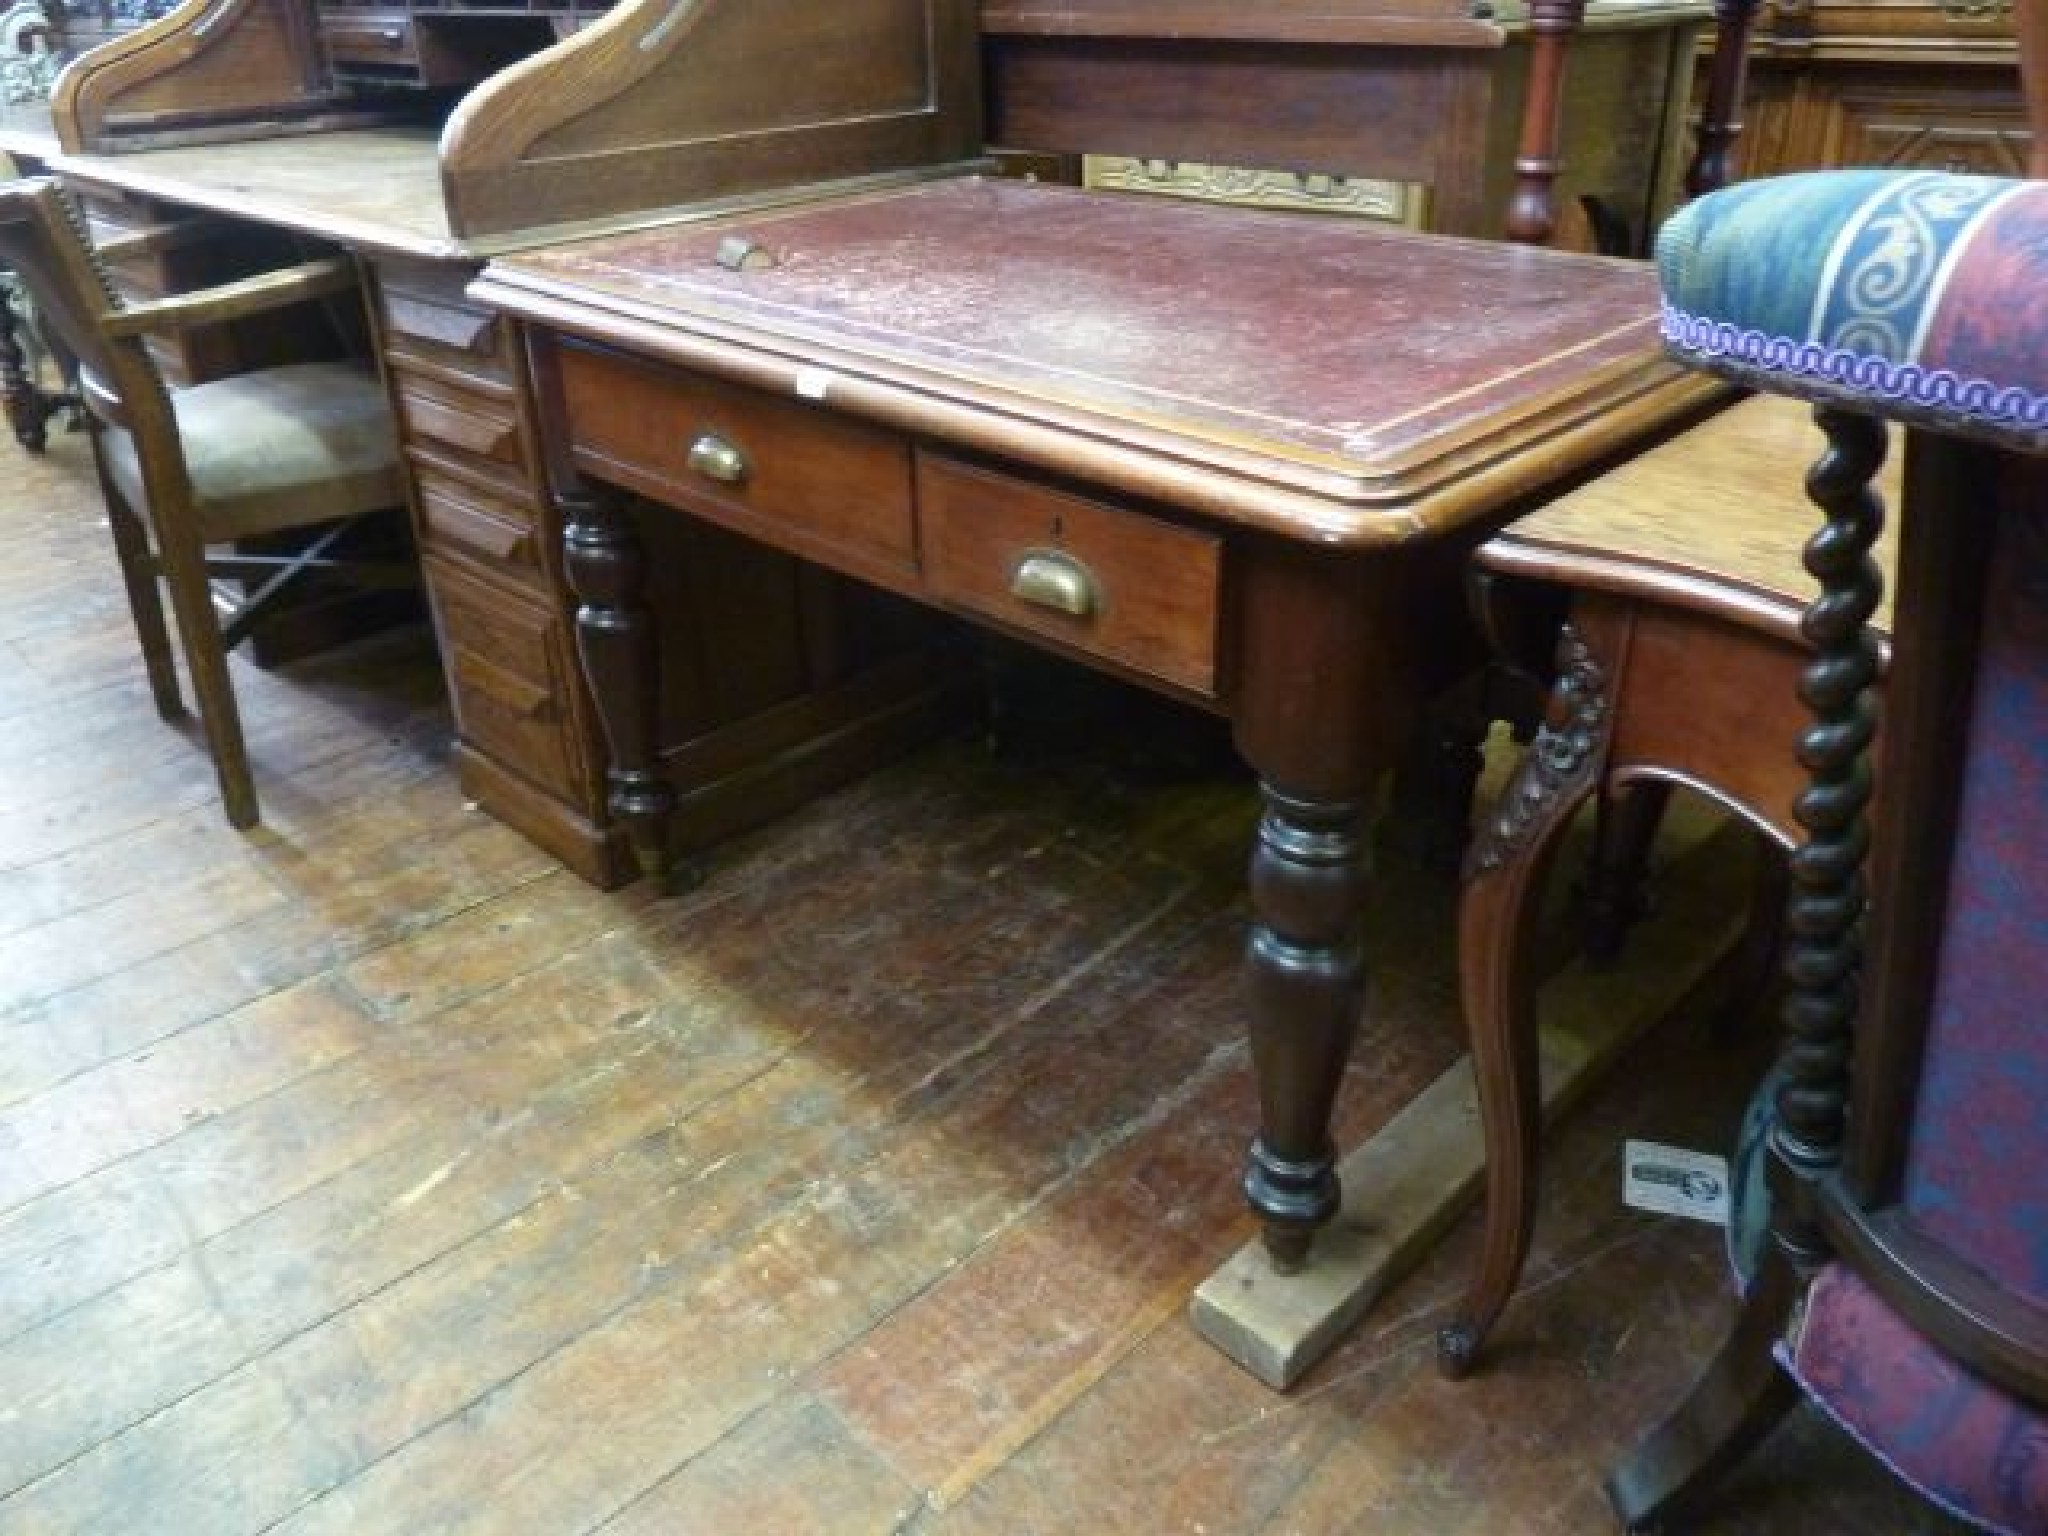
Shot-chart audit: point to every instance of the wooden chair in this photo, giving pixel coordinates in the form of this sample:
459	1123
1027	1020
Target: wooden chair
1904	1286
293	447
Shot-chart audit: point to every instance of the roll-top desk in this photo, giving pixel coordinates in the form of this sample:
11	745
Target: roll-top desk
426	137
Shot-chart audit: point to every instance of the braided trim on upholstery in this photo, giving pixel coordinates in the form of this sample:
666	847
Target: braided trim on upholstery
1940	397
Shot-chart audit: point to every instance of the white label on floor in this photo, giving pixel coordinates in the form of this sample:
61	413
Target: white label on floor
1674	1182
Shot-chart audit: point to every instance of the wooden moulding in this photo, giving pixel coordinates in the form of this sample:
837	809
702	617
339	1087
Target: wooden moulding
657	104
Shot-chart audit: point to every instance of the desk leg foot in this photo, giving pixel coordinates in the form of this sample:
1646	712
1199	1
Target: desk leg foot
1306	968
615	639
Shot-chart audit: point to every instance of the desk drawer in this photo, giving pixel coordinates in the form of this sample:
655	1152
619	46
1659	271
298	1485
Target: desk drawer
1115	584
428	320
460	515
383	40
774	469
507	663
477	427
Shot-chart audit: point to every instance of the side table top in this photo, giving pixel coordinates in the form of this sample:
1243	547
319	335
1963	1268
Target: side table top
1716	517
1333	380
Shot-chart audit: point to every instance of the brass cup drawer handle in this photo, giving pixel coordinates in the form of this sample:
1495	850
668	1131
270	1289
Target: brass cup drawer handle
1052	578
716	459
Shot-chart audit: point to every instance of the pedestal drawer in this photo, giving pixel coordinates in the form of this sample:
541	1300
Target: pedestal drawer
456	513
1112	583
507	664
774	469
427	321
478	429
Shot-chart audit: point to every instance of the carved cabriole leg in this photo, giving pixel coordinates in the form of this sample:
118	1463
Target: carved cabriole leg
1742	1393
1504	878
1329	653
615	639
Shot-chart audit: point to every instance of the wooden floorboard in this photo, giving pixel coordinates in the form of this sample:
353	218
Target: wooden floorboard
368	1173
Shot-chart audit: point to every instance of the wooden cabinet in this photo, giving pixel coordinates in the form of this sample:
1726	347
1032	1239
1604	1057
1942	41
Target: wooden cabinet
1873	83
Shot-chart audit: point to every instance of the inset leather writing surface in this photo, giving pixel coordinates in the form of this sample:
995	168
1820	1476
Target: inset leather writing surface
1348	363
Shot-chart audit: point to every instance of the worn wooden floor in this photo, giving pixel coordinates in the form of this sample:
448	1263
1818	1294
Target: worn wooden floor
370	1174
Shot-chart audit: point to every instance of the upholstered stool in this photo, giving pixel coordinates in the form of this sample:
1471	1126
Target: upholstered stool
1905	1283
1677	665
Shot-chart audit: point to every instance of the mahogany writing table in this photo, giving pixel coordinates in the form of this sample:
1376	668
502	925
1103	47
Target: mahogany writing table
1234	456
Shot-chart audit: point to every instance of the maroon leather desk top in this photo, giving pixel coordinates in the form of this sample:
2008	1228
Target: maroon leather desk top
1347	382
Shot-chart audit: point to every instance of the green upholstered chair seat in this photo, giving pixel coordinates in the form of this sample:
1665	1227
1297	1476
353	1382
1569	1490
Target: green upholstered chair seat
1915	295
278	448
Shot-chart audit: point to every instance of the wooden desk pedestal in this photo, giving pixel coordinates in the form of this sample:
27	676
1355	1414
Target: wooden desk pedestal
822	685
1237	459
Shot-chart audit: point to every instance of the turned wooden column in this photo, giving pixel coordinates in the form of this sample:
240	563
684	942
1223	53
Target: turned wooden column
1532	214
615	638
1824	913
1329	703
1713	161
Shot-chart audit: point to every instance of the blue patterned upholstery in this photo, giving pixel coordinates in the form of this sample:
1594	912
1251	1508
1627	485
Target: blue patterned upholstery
1919	295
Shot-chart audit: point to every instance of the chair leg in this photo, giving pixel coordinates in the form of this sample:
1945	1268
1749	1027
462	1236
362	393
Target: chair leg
145	603
199	628
1756	961
1738	1399
1431	818
1496	916
1623	835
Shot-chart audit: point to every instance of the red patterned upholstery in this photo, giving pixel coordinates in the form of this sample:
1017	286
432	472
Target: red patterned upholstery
1977	1172
1966	1445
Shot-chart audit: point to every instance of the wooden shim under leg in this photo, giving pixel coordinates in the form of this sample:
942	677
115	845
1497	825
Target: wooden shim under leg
1416	1175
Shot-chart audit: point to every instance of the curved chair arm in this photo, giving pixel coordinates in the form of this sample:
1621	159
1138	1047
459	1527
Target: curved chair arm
155	240
232	301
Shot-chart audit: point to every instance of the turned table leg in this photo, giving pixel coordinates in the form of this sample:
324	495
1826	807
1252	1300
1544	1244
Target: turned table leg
615	637
1327	700
1305	964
